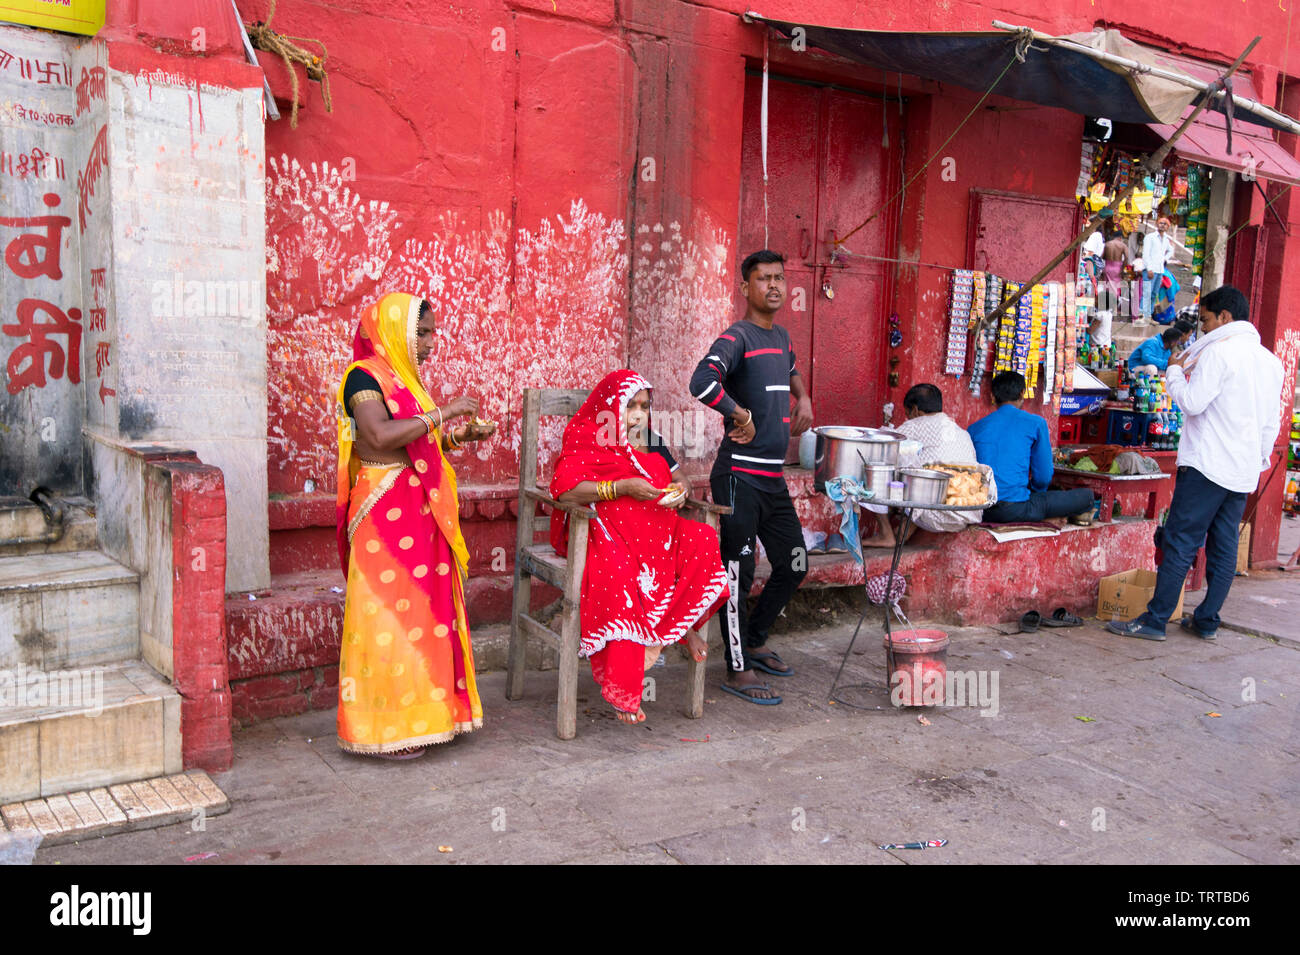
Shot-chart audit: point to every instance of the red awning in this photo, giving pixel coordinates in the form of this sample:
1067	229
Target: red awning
1206	142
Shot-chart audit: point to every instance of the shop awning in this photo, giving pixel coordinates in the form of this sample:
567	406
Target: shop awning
1206	142
1101	73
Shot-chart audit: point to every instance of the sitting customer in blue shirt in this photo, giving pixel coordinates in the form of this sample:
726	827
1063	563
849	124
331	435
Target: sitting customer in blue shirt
1015	444
1153	354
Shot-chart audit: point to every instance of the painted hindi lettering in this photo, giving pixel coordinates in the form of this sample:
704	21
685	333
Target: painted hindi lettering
27	363
23	254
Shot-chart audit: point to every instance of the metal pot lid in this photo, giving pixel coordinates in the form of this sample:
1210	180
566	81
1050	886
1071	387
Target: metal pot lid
843	432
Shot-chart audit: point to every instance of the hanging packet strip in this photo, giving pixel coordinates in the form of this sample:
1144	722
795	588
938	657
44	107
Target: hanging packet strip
961	301
1049	350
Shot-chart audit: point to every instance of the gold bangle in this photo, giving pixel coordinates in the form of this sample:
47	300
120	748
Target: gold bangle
749	421
451	440
439	410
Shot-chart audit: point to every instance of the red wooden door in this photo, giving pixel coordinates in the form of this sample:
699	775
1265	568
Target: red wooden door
1014	235
793	133
828	172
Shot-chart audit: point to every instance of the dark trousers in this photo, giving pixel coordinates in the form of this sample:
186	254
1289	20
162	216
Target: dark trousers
1041	505
770	517
1201	511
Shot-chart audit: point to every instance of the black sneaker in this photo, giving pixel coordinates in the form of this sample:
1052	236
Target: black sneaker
1187	624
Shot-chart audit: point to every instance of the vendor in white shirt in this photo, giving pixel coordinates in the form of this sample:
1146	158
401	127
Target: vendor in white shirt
1230	388
942	441
1157	251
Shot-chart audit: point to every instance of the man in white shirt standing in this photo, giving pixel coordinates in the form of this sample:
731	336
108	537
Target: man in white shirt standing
1157	250
1230	388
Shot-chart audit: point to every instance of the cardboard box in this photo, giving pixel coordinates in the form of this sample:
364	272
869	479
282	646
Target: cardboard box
1108	377
1243	548
1125	596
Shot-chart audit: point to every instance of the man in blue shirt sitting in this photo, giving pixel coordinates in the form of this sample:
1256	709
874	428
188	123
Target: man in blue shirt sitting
1015	444
1153	354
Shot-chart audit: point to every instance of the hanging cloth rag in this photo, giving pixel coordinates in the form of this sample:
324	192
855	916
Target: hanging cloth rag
848	494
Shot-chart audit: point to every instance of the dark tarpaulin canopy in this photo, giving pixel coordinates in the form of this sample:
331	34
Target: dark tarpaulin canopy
1051	74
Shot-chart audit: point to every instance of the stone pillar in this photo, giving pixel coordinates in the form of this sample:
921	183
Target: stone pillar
187	320
1218	226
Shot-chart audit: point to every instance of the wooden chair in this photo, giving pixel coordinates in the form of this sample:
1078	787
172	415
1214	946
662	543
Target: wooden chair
533	559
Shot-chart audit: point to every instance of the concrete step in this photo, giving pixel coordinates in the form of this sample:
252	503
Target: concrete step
65	610
24	530
128	807
80	729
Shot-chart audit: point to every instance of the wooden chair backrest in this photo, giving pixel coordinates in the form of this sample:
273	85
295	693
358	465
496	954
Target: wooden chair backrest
539	403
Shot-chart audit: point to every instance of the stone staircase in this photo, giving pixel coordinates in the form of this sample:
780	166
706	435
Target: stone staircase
78	708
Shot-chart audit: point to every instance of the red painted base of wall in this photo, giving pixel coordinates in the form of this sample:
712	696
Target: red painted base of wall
284	647
285	694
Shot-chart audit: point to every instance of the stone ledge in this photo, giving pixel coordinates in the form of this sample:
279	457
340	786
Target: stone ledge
125	807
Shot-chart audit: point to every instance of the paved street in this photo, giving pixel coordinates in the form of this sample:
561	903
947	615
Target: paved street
1149	778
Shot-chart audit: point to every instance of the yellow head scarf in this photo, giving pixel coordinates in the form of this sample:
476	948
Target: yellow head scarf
388	332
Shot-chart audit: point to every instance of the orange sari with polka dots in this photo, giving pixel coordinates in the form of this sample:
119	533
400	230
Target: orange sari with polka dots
406	668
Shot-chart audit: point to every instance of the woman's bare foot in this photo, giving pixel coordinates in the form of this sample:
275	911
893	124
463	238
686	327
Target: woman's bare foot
699	648
637	717
651	655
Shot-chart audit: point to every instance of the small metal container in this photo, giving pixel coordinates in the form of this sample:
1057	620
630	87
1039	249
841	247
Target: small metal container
924	485
877	478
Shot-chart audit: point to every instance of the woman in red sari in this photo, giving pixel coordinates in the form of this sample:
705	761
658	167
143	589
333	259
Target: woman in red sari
406	670
652	577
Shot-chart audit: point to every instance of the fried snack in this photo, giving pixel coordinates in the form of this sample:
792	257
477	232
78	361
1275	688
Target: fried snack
966	486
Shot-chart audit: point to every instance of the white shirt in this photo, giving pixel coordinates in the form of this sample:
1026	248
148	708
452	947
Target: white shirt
1156	251
943	441
1094	244
1232	397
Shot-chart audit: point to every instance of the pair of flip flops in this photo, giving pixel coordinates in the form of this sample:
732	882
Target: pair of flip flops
1060	617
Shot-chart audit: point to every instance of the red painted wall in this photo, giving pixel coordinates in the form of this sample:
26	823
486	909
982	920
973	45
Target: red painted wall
492	159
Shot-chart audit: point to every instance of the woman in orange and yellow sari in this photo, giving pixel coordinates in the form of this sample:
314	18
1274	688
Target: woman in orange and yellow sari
406	670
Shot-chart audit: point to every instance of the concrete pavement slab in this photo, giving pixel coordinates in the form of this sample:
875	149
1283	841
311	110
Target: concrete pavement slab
1177	785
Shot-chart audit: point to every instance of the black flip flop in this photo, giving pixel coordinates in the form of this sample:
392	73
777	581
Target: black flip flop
1030	621
1062	618
757	700
758	664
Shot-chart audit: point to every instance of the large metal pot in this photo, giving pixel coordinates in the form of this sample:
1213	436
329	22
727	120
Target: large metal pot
843	451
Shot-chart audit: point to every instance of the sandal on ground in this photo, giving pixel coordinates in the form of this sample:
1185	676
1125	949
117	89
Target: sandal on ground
404	753
756	660
1030	621
1061	618
741	691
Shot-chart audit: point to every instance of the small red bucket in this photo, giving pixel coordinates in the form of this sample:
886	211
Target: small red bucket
919	672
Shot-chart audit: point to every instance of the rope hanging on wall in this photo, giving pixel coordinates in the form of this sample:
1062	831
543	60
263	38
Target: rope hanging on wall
264	38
